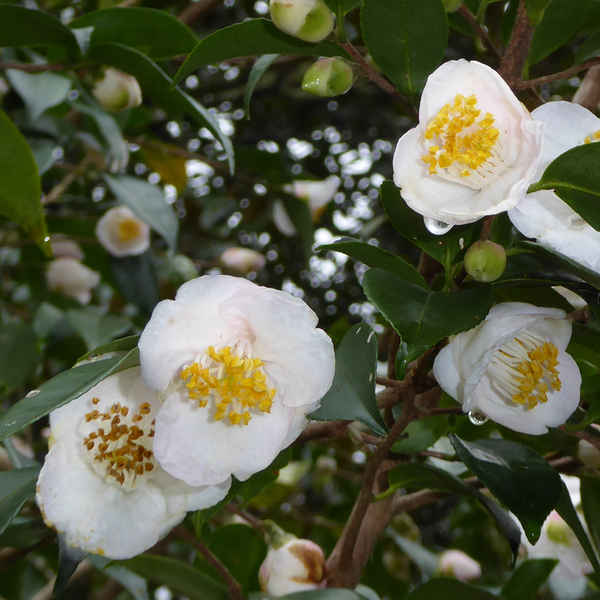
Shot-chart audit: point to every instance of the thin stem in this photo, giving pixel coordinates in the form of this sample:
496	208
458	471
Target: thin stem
566	74
62	187
377	79
235	591
250	519
481	32
35	68
341	26
486	228
445	410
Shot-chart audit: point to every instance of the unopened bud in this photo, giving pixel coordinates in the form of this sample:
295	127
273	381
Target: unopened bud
242	260
558	531
295	566
117	91
452	5
328	77
67	276
588	454
308	20
457	564
485	261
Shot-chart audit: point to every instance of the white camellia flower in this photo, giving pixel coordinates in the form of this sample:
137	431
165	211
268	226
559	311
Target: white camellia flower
117	91
513	368
69	277
474	152
543	215
240	367
101	484
455	563
242	260
295	566
121	233
317	194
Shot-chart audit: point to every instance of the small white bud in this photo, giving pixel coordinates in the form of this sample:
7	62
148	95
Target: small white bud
295	566
121	233
242	260
63	246
457	564
328	77
117	91
69	277
308	20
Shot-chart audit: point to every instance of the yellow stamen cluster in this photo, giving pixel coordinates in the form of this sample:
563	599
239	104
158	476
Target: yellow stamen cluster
592	138
463	137
120	446
128	230
237	384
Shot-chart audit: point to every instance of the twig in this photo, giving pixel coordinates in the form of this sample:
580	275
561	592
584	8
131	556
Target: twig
566	74
486	228
329	429
35	68
449	410
481	32
250	519
235	591
196	10
584	436
588	93
387	382
69	178
582	316
377	79
518	49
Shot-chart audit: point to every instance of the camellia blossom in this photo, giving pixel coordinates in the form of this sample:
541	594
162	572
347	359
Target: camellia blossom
513	368
543	215
121	233
101	485
294	566
455	563
242	260
475	150
240	367
69	277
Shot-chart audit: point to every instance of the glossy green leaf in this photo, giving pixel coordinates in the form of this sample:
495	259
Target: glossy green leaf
268	165
347	5
123	345
156	84
406	39
535	10
300	215
259	68
352	394
421	434
31	28
16	487
423	318
137	278
378	258
18	354
20	189
426	560
519	477
24	533
326	594
527	579
590	502
95	327
43	152
561	21
449	589
589	48
148	202
60	390
154	32
136	585
410	225
567	511
251	38
176	575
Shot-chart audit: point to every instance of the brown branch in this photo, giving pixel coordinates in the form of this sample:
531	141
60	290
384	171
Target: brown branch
449	410
197	10
486	227
327	429
582	316
518	49
377	79
584	436
566	74
35	68
69	178
481	32
235	591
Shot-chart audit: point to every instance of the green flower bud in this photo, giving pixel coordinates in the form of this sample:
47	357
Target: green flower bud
116	90
328	77
308	20
485	261
452	5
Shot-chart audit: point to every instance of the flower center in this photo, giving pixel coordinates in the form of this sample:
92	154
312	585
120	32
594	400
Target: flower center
120	444
463	140
235	382
592	138
128	230
524	370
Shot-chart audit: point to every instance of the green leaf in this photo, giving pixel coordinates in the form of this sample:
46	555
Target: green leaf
421	434
535	10
589	48
148	202
176	575
19	355
137	279
259	68
410	225
156	33
156	84
43	152
562	19
268	165
251	38
449	589
31	28
60	390
527	579
567	511
16	487
423	318
96	328
326	594
406	39
136	585
426	560
123	345
590	502
519	477
352	394
300	215
20	189
25	533
376	257
347	5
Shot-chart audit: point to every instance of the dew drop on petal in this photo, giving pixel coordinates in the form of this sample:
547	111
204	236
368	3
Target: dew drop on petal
436	227
477	418
32	393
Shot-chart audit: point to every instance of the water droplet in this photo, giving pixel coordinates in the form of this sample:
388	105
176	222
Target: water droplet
477	418
47	239
437	227
33	393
